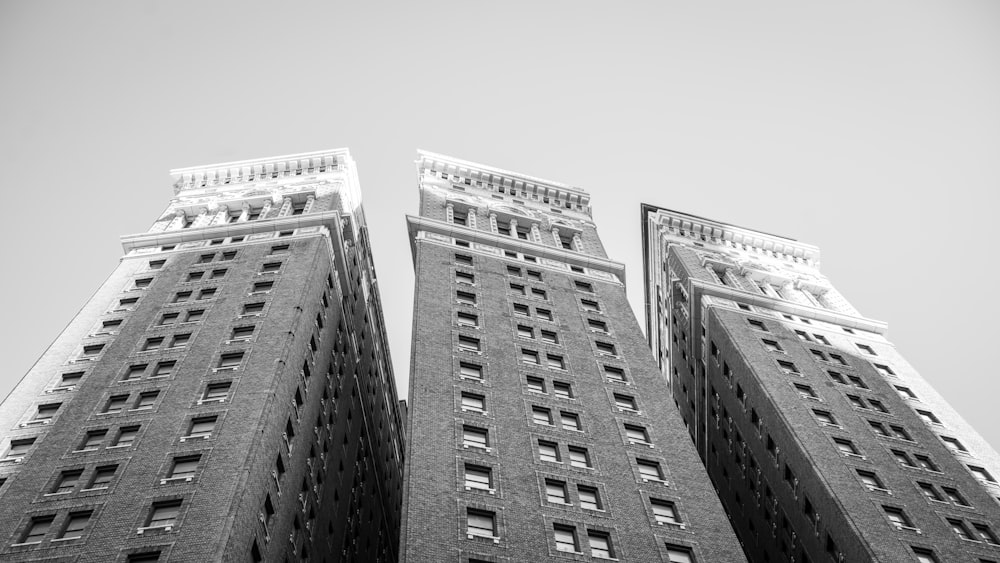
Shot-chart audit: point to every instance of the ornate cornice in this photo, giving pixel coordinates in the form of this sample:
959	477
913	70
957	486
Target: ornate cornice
492	176
259	170
715	233
323	218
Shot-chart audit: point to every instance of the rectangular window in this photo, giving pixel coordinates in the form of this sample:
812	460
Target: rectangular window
67	482
903	458
115	404
565	538
473	437
600	544
180	340
866	349
535	384
606	348
979	472
805	391
242	333
126	436
521	310
544	314
206	293
473	402
465	277
252	309
664	512
952	444
772	345
562	390
146	400
590	497
757	324
649	470
579	457
884	370
788	367
517	289
583	286
92	440
218	273
825	417
555	361
262	287
230	360
463	259
541	415
481	523
636	434
478	477
597	326
465	298
216	392
202	427
467	319
539	293
555	491
270	267
468	343
549	337
525	331
37	528
570	421
184	467
614	374
846	447
164	514
955	496
470	371
164	369
156	264
589	305
818	355
76	522
92	350
228	255
625	402
549	451
897	517
529	356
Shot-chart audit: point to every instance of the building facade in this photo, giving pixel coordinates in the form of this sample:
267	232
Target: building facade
823	442
539	427
226	394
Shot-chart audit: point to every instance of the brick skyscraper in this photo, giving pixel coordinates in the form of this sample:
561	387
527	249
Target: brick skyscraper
226	394
824	443
539	424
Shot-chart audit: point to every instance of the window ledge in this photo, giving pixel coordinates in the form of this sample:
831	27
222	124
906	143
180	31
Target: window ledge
634	442
474	447
57	494
677	525
901	528
54	540
35	423
186	479
484	489
477	411
61	389
222	369
494	538
82	451
145	529
881	490
196	437
208	401
651	480
118	447
856	456
93	489
26	543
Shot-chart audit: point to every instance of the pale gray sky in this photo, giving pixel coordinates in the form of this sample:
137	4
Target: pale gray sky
869	128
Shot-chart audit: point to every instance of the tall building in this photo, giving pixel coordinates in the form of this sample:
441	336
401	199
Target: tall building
226	394
539	426
823	442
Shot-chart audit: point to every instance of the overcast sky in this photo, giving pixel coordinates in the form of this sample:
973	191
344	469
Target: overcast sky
870	128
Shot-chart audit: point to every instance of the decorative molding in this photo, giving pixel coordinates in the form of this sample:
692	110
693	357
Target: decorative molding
262	169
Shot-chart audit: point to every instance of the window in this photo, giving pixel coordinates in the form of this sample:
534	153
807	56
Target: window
570	421
480	523
470	371
37	528
92	440
925	555
262	287
205	258
539	293
857	382
555	361
597	326
242	333
928	417
555	491
216	392
478	477
163	369
614	374
549	451
156	264
817	354
115	404
529	356
955	496
590	498
979	472
228	255
44	413
877	405
985	533
952	444
544	314
541	415
636	434
866	349
182	296
164	514
184	467
899	432
465	298
67	482
884	370
473	437
202	427
903	458
467	319
525	331
772	345
837	377
549	337
897	517
878	428
514	271
168	319
463	259
821	339
929	491
583	286
589	305
579	457
473	402
805	391
856	402
459	218
68	381
664	512
153	343
521	310
75	524
253	309
759	325
534	275
216	274
92	350
649	470
788	367
606	348
825	417
625	402
679	554
465	277
871	480
846	447
562	389
180	340
206	293
535	384
517	289
230	360
600	544
279	249
126	436
565	538
838	358
194	276
468	343
146	400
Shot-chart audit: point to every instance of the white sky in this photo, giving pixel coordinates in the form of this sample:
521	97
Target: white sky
869	128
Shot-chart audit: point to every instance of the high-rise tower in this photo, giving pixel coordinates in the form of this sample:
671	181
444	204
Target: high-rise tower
226	394
539	425
823	442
